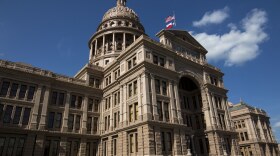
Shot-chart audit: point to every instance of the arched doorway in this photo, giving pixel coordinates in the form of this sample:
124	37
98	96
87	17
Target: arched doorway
193	115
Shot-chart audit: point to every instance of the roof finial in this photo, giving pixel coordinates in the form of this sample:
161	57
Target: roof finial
121	2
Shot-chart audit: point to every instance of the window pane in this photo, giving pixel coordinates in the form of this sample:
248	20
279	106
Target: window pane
131	141
8	113
95	120
130	113
164	91
161	61
17	115
30	93
54	97
155	59
70	121
78	121
22	91
51	119
2	143
4	89
47	148
55	144
135	87
157	86
89	124
20	147
10	147
61	99
26	116
80	101
96	105
13	91
1	111
136	111
90	104
76	146
58	120
73	101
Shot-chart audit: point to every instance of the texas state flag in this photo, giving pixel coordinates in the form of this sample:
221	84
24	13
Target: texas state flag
170	25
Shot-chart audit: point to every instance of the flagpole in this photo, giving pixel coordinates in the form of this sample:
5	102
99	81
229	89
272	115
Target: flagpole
174	18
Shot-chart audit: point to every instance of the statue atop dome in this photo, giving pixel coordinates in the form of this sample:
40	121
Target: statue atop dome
121	2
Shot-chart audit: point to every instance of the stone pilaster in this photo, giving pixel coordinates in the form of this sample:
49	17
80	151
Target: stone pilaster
82	149
174	118
154	98
147	114
33	124
84	117
66	113
178	104
43	119
139	98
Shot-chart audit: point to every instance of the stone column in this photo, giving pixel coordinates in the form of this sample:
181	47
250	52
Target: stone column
147	114
250	133
216	115
66	112
178	105
91	51
211	112
154	98
134	38
261	129
95	50
103	44
124	41
34	117
111	113
124	105
114	43
42	124
174	118
84	117
139	98
121	106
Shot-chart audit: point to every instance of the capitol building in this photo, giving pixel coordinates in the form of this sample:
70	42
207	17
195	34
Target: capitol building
134	96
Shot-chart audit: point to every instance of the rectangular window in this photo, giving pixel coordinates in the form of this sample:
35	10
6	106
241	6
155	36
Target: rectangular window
115	120
22	92
47	148
164	88
11	145
78	122
31	92
1	111
129	64
58	118
95	121
131	143
20	147
105	125
26	116
130	113
13	91
90	104
136	111
155	59
73	101
169	141
89	124
70	121
160	114
161	61
96	105
166	111
80	101
17	115
135	87
7	114
129	90
115	146
163	141
61	99
55	145
54	97
4	89
97	83
157	86
51	119
2	144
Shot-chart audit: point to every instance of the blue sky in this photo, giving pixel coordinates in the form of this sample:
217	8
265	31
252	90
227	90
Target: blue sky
242	38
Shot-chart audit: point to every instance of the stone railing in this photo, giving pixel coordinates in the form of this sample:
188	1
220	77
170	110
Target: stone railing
38	71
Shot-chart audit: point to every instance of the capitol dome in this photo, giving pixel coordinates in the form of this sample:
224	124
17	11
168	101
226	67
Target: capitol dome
119	28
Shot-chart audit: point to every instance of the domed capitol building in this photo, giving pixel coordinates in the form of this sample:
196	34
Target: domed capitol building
119	103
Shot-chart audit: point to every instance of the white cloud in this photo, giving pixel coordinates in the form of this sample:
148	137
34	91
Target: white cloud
239	45
215	17
277	125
